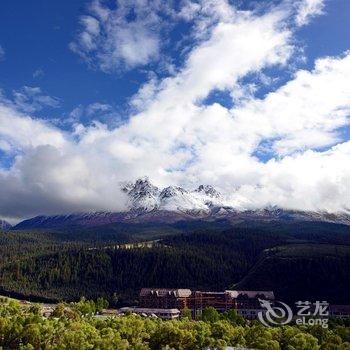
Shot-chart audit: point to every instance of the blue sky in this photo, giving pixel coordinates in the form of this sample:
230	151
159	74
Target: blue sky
133	88
40	43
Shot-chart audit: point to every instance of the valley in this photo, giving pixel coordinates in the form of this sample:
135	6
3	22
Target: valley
66	264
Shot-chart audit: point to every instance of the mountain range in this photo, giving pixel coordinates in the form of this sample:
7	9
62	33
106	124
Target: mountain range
148	203
299	255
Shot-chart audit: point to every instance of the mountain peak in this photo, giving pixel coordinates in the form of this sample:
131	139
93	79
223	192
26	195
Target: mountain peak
144	186
143	195
208	190
172	191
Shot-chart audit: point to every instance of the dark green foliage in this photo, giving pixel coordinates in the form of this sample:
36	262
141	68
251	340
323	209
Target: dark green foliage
208	260
74	327
210	315
302	272
67	264
71	274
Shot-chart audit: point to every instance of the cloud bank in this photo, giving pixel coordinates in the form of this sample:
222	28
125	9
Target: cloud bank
286	148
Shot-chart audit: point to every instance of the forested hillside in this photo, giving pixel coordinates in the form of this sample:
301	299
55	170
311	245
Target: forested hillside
70	264
301	271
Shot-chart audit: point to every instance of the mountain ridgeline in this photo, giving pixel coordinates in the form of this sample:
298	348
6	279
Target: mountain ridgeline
147	203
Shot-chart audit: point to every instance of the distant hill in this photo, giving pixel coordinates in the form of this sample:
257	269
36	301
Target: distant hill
4	225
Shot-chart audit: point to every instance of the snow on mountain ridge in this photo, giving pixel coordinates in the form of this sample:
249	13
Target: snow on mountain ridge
148	203
143	195
208	190
178	199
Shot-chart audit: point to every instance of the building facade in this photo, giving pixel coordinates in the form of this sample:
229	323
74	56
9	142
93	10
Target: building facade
165	314
245	302
162	298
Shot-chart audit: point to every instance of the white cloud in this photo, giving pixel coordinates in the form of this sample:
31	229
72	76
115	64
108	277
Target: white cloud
111	39
133	33
310	181
306	9
175	138
91	114
52	180
30	99
23	132
2	53
304	113
38	73
98	107
145	94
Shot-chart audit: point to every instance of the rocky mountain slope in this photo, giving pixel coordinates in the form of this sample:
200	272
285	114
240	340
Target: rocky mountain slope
148	203
145	197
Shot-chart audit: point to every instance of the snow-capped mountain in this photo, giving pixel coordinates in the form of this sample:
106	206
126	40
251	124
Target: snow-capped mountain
144	196
178	199
208	190
148	203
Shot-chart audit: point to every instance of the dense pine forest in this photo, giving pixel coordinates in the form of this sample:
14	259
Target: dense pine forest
67	264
